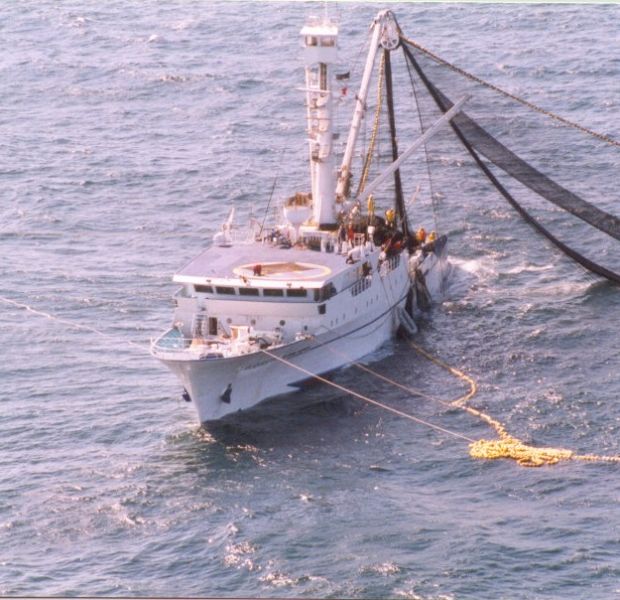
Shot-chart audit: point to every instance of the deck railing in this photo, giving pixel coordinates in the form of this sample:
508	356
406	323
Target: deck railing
360	285
389	264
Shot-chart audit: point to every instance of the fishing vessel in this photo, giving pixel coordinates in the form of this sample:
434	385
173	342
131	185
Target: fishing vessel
329	284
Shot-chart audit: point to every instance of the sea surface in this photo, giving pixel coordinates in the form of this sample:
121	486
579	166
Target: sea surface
127	130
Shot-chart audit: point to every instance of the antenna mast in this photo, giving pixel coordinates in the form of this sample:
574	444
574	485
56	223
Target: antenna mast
319	38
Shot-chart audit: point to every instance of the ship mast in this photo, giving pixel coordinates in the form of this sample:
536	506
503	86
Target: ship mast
319	40
385	33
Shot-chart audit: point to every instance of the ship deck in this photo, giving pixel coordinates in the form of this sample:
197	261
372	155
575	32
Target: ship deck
263	263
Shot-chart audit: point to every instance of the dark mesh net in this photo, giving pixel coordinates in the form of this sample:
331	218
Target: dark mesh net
546	147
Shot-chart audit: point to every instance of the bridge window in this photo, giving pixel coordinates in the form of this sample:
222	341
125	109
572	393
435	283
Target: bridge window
248	291
225	290
204	289
325	293
297	293
273	292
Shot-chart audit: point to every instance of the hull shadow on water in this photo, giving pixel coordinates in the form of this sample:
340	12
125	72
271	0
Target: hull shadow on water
314	408
286	418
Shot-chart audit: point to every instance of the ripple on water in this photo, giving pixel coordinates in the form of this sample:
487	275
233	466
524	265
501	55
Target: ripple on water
131	129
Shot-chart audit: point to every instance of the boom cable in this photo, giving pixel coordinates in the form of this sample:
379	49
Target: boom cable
499	90
398	186
444	104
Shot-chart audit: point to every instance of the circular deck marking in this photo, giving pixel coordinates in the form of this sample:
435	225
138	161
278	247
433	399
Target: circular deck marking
283	271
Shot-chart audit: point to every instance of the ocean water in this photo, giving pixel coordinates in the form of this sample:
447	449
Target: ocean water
127	131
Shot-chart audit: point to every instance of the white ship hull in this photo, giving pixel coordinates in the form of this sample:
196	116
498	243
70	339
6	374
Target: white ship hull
322	289
218	387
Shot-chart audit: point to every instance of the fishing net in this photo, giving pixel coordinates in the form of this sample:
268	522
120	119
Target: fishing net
558	175
538	152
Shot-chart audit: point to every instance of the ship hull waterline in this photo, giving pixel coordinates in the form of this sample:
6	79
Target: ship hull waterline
218	387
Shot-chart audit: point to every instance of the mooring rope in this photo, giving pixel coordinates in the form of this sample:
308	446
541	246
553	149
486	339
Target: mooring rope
351	392
71	324
406	388
507	446
499	90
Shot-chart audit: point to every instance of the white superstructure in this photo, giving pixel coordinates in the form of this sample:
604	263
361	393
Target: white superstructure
320	51
326	288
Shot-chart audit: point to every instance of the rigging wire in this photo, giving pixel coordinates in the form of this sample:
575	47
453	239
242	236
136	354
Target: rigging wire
273	187
506	446
364	45
398	186
375	130
499	90
426	153
443	104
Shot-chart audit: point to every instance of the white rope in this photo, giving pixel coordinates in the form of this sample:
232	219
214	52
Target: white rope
71	324
342	388
499	90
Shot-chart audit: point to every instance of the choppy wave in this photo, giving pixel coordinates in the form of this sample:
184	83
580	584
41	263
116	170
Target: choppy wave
127	131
